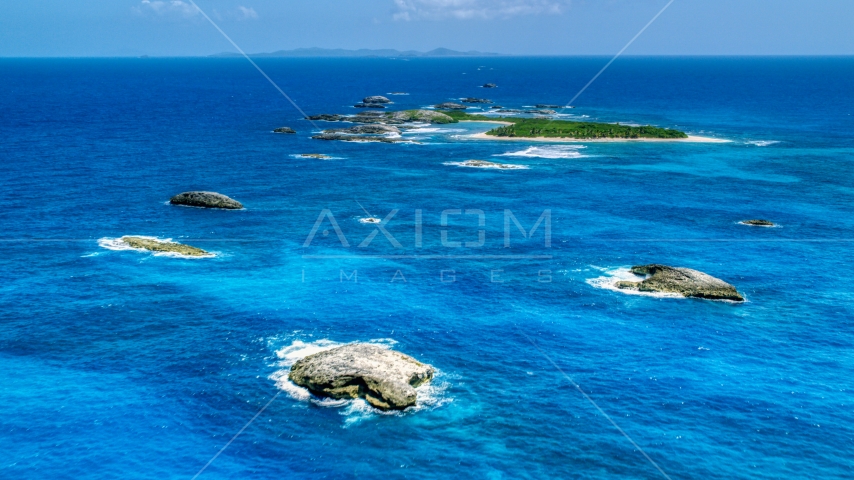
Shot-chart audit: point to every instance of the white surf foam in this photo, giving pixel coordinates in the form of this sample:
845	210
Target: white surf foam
614	275
497	166
301	157
550	151
117	244
431	395
762	143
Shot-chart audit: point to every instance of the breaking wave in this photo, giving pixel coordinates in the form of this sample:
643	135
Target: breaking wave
550	151
609	280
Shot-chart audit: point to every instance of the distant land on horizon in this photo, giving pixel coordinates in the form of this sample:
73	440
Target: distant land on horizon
364	52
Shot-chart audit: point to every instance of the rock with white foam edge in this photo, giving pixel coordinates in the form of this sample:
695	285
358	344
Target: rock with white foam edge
450	106
376	99
476	100
205	200
162	246
541	112
758	223
326	117
386	379
486	164
428	116
682	281
284	130
366	129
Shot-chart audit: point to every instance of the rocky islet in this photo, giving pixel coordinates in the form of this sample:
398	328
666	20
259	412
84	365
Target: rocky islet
682	281
385	378
204	199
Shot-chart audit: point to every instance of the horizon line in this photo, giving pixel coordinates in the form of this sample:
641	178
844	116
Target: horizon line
222	56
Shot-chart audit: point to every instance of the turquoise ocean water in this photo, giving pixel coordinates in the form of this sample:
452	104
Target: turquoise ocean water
121	364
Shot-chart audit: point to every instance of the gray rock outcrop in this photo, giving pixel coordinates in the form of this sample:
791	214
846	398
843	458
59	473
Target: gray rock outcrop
342	137
683	281
490	85
758	223
377	129
428	116
541	112
476	100
376	99
384	378
205	200
326	117
284	130
450	106
370	117
159	246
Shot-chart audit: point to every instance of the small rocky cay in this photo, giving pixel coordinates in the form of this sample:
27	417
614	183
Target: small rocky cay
205	200
161	246
450	106
683	281
758	223
386	379
375	101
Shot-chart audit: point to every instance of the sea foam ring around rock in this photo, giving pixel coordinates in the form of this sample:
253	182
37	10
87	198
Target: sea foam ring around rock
121	244
430	395
666	280
487	165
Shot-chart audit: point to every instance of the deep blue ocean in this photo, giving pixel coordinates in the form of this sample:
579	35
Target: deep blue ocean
123	364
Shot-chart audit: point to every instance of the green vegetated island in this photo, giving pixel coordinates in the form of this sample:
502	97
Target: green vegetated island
548	128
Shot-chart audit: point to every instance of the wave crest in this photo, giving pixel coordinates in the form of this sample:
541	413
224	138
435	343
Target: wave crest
550	151
609	280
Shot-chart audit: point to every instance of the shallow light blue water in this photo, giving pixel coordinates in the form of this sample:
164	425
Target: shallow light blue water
123	364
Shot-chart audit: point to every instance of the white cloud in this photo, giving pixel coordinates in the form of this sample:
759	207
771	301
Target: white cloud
468	9
167	7
244	13
181	8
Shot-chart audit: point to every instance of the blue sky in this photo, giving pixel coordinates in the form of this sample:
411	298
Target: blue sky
540	27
